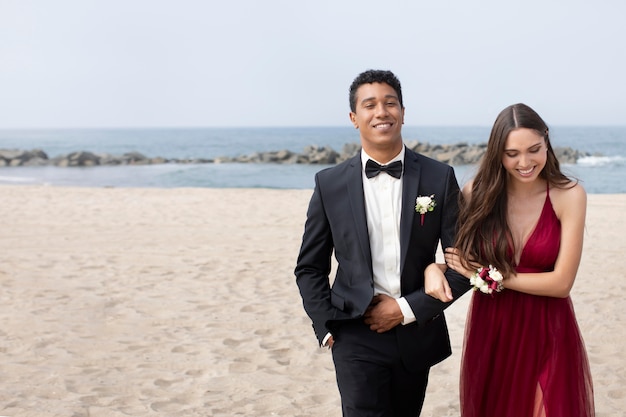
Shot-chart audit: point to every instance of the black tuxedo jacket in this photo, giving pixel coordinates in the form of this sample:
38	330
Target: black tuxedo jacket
336	221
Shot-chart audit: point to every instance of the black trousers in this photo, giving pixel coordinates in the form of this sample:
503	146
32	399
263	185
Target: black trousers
372	380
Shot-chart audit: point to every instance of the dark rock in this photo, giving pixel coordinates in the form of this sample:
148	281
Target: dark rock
81	159
18	157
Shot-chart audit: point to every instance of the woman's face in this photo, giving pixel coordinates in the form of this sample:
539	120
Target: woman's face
525	155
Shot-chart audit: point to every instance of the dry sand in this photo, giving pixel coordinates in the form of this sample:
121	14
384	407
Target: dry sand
182	302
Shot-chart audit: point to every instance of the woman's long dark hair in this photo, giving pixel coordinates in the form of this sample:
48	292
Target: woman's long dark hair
483	233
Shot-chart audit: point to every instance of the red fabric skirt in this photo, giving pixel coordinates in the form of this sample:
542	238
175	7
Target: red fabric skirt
523	356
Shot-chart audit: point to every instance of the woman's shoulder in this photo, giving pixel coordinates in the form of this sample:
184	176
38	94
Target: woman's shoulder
467	189
570	191
571	196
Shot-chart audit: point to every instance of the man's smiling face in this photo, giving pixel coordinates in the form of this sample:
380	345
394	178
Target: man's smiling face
379	117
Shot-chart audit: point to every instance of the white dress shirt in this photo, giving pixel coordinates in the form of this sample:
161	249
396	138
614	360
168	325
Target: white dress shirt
383	209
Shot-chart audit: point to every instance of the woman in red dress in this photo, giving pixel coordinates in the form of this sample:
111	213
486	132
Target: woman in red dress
521	219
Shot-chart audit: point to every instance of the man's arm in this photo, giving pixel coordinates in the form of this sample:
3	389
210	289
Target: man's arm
314	264
385	312
423	305
427	308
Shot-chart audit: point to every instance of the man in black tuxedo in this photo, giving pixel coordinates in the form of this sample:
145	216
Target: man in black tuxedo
384	332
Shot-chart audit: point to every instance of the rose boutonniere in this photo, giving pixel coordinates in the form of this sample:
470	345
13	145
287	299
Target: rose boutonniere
487	280
424	204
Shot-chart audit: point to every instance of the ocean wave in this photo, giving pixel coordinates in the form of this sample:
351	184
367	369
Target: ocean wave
601	160
17	180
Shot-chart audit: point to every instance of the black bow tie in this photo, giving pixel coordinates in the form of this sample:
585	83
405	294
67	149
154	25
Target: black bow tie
372	169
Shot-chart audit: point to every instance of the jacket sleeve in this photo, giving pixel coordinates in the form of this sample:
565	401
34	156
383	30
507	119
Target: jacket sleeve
314	264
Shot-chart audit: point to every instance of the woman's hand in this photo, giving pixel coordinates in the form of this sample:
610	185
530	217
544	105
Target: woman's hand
435	282
453	260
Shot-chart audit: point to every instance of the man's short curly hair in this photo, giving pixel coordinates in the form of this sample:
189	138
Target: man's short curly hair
374	76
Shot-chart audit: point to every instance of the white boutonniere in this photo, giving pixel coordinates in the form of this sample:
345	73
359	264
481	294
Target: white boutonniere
424	204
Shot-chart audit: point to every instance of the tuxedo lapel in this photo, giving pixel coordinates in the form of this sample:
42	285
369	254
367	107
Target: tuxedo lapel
410	185
354	189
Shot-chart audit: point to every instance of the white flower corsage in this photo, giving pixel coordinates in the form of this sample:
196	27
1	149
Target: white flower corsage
424	204
487	280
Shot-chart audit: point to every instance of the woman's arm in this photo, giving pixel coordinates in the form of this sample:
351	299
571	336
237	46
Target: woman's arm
570	206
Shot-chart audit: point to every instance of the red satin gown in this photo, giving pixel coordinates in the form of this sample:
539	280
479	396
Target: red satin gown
523	354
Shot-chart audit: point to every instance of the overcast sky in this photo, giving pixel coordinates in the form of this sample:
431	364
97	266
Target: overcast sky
195	63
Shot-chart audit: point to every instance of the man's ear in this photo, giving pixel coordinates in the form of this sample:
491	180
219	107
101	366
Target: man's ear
353	119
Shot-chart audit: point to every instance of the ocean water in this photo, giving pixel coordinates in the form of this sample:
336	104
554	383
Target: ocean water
603	173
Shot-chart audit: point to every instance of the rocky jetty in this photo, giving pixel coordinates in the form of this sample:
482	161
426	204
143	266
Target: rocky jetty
455	154
37	157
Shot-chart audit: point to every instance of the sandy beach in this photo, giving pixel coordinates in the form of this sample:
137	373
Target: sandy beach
182	302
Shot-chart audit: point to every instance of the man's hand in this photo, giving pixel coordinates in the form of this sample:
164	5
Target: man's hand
435	283
330	342
383	314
